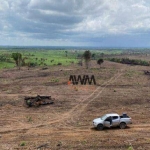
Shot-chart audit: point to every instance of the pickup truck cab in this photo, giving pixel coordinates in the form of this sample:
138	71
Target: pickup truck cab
112	120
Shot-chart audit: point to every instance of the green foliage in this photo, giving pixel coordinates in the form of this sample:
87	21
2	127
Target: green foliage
29	118
93	55
130	148
52	57
23	61
17	58
6	61
102	54
130	61
6	65
87	57
23	143
59	64
66	53
3	58
55	80
32	64
84	142
100	61
79	55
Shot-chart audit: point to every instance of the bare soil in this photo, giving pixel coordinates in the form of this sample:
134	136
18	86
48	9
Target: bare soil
67	124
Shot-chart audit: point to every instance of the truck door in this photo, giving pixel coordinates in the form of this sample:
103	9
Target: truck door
115	120
107	122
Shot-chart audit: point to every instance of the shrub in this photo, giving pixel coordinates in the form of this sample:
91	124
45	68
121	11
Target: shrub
130	148
22	143
17	58
100	61
59	64
32	64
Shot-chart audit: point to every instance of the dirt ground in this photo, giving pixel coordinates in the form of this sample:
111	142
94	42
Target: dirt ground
67	124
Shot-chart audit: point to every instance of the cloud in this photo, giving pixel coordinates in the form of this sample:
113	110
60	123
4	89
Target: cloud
73	21
3	6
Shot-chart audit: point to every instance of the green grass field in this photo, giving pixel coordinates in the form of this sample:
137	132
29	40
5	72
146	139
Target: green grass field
49	57
46	57
6	65
39	57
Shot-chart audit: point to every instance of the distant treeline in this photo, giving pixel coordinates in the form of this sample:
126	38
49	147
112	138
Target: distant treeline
130	61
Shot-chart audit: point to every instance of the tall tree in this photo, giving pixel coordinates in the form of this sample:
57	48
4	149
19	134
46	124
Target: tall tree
93	56
87	58
100	61
18	59
66	53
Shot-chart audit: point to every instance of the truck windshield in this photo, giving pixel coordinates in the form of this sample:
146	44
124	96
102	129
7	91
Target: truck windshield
104	117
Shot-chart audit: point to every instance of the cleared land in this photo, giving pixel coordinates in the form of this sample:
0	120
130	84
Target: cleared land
68	123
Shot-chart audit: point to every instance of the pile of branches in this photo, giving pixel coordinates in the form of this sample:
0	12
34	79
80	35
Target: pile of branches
38	100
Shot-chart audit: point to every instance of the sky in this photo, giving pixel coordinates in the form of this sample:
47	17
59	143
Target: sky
97	23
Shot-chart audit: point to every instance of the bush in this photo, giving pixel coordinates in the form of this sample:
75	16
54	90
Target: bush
59	64
17	58
100	61
32	64
130	148
2	58
22	143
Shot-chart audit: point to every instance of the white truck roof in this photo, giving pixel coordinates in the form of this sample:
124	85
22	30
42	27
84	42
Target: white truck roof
112	114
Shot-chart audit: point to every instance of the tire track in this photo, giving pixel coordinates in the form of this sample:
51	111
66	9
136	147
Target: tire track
79	108
76	110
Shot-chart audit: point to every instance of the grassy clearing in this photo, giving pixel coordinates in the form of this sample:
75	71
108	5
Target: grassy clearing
46	57
43	57
40	57
6	65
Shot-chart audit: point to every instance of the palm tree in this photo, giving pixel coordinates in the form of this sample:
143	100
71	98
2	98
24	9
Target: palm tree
87	57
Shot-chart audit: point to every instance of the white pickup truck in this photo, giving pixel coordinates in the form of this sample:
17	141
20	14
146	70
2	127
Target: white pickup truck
112	120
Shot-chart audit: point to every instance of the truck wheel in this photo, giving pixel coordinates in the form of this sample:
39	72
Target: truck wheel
122	125
100	127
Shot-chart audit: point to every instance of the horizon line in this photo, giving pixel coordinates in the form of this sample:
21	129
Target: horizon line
107	47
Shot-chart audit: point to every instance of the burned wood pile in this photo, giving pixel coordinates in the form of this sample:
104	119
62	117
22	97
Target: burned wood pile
38	100
147	72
